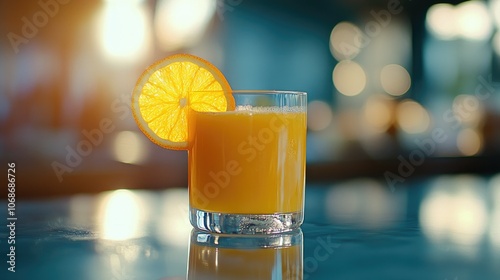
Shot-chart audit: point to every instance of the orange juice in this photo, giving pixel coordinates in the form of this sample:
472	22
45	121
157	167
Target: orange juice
249	161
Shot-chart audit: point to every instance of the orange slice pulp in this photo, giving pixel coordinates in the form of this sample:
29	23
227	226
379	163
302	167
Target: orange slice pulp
168	89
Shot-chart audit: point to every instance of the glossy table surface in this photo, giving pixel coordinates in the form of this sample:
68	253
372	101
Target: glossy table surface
445	227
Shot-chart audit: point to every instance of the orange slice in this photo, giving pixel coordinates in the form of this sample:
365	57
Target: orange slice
169	88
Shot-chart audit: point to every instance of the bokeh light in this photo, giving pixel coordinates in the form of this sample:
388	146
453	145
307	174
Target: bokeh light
468	109
495	228
440	21
365	203
347	120
175	214
319	115
469	142
496	43
182	23
495	190
379	112
412	117
494	185
124	1
120	214
129	147
343	44
473	20
349	78
123	31
469	20
495	9
395	79
454	210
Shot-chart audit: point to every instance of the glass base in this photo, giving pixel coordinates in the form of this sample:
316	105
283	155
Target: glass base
247	241
245	223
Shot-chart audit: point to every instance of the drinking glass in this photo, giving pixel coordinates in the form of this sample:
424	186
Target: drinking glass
247	166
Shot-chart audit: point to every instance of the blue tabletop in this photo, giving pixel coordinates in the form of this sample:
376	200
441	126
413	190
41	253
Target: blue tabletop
445	228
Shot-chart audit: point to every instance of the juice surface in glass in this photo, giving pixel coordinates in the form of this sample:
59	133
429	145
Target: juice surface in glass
249	161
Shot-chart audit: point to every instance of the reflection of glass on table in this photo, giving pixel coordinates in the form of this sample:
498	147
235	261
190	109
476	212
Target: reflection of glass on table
221	256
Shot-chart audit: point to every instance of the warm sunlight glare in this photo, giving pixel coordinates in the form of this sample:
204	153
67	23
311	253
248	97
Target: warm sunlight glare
123	31
181	23
120	215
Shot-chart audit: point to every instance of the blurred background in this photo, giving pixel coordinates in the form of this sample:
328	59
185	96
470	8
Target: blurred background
396	89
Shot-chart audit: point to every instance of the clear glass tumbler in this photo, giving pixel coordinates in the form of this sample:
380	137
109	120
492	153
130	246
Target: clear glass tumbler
247	166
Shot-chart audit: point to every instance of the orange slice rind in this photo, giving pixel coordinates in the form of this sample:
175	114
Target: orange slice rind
168	89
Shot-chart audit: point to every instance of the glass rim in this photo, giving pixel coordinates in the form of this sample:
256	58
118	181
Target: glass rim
260	91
